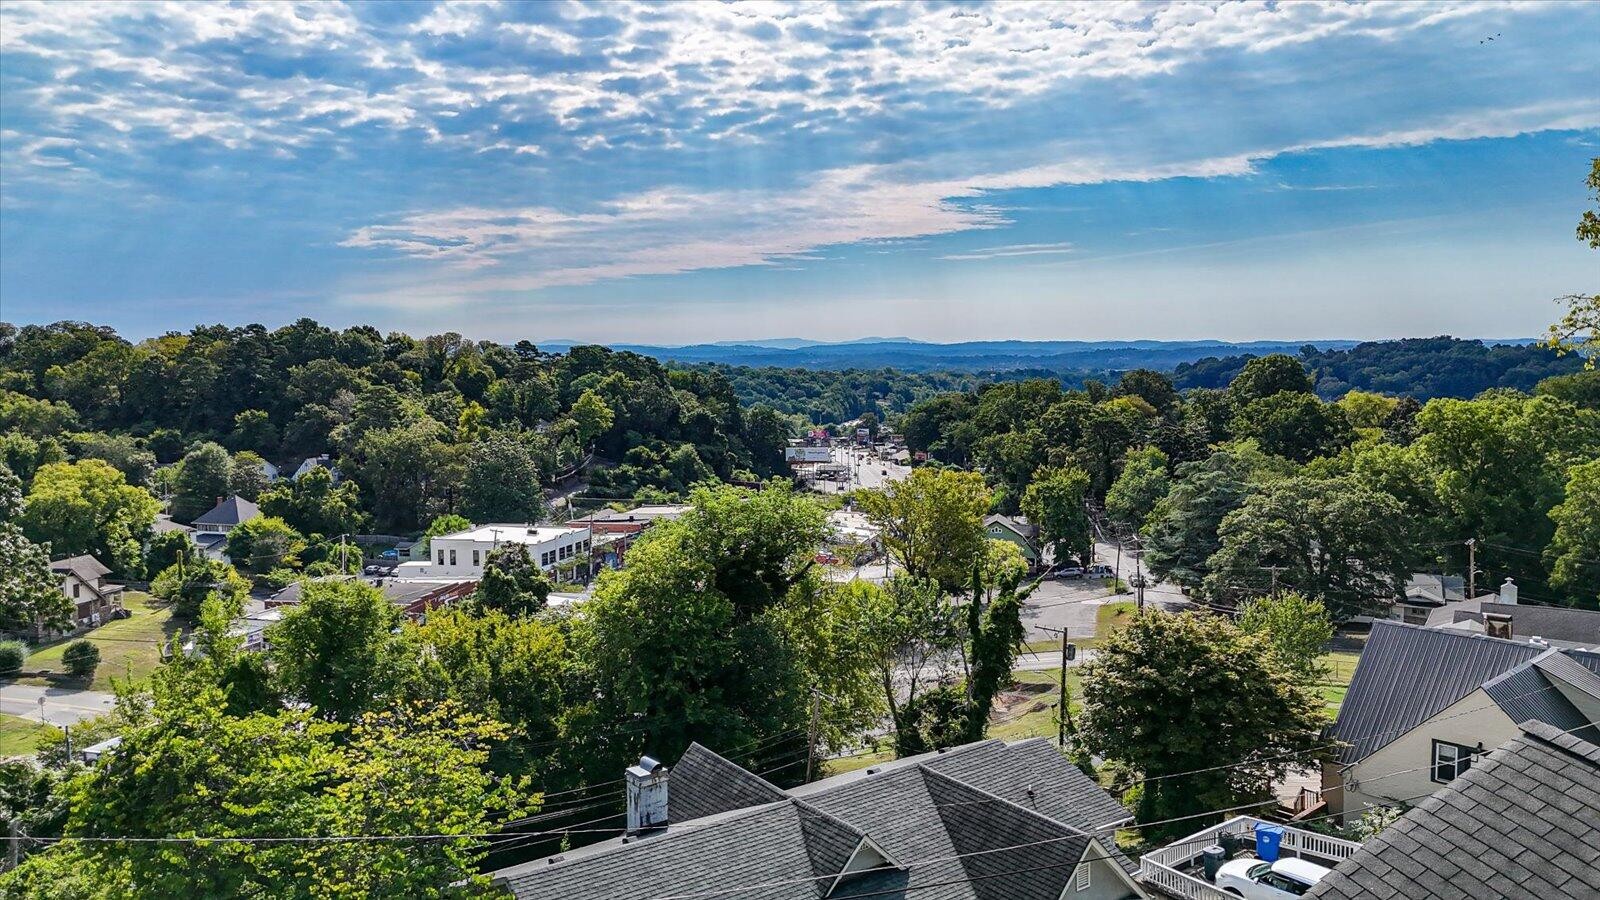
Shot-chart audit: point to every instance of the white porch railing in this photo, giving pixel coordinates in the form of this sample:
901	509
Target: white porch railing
1161	868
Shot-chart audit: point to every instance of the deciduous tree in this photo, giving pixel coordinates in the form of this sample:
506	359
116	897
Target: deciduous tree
931	522
89	507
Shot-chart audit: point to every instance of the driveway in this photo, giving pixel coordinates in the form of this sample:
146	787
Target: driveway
62	706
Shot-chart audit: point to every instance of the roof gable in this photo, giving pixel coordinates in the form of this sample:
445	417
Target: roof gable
1408	674
705	783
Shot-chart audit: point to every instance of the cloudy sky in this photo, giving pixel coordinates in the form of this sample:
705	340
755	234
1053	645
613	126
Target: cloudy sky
683	172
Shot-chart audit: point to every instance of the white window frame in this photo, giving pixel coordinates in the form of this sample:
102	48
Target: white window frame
1458	762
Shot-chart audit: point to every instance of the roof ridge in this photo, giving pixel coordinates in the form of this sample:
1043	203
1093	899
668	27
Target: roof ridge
1003	801
1564	741
1446	633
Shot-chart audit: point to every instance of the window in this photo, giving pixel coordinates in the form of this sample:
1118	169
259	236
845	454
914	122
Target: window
1080	877
452	557
441	557
76	590
474	557
1450	761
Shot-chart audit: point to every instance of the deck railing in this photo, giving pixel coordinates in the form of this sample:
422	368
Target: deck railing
1161	868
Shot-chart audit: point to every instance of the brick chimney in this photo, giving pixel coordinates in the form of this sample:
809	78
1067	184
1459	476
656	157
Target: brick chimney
647	795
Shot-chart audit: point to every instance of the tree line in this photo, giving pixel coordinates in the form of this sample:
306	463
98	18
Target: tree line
1224	485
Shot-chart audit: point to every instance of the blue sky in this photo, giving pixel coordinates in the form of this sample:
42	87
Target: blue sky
676	173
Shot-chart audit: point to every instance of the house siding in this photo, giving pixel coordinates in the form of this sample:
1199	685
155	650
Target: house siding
1472	720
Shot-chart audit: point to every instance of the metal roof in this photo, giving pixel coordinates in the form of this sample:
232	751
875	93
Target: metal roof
1407	674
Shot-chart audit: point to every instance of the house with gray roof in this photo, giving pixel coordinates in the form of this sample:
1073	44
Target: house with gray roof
211	528
83	580
1425	703
1523	822
985	821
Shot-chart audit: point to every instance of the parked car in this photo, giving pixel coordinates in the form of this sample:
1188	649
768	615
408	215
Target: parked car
1254	879
1070	572
1139	581
390	553
1100	570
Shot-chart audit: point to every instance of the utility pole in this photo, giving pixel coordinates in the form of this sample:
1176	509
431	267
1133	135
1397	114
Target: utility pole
1138	570
1275	570
68	730
811	737
1472	568
1064	720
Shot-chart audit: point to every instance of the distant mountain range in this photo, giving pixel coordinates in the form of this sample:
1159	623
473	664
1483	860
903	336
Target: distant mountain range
910	355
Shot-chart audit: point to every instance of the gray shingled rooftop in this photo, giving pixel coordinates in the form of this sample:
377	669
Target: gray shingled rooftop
1524	822
956	817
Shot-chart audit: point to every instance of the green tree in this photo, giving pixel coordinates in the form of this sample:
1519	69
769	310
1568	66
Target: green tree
1297	631
1141	485
1054	502
253	430
1367	410
1335	542
403	469
512	583
314	504
166	548
592	415
501	482
80	658
1264	376
247	475
265	543
1579	327
911	632
30	594
341	650
1574	551
187	767
205	475
1151	681
994	637
760	543
448	523
931	522
1293	425
511	669
187	583
89	507
1183	526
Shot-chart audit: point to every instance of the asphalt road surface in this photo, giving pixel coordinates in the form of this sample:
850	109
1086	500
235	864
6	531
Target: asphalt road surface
62	706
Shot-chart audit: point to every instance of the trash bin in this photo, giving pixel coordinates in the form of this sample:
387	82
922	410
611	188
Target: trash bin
1213	857
1268	839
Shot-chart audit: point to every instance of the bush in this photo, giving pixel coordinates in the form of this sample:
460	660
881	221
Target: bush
80	658
12	655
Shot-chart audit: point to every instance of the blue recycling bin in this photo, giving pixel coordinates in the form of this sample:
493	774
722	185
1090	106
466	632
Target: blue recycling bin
1268	839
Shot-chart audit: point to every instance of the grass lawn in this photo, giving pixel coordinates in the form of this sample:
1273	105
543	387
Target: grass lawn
129	648
1341	666
21	737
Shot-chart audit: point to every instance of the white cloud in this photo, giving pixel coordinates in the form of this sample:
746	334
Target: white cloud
718	71
1009	250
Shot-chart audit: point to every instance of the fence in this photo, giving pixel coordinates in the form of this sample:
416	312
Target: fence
1161	869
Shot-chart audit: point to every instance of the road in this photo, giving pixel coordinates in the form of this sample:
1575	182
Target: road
1073	604
62	706
865	471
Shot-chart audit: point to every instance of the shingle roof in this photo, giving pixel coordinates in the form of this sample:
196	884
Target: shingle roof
1408	674
231	511
1554	623
951	816
1523	822
86	567
704	784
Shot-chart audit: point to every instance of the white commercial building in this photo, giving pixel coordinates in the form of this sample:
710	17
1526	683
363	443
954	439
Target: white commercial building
463	553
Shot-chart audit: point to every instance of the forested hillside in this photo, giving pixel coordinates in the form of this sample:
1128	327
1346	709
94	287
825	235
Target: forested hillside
420	426
1343	498
1423	368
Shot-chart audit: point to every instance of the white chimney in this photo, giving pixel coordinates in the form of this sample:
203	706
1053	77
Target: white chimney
647	795
1508	593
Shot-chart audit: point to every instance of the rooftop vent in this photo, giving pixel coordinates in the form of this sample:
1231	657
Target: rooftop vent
647	795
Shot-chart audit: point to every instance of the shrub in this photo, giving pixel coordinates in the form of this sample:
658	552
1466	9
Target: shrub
12	655
80	658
